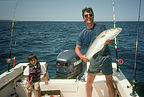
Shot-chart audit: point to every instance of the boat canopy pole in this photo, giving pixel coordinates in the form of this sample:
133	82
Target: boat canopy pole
10	50
114	22
134	74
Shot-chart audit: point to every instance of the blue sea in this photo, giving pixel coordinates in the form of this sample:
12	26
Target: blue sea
48	39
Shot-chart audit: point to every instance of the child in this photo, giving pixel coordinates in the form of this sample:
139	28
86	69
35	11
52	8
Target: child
33	72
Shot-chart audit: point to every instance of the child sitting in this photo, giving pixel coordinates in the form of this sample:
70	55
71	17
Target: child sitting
33	72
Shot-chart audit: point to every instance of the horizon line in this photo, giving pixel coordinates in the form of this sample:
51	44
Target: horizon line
68	21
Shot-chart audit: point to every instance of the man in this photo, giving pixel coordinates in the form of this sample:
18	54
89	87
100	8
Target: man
102	60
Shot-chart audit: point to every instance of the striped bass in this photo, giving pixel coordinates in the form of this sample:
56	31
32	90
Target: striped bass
99	42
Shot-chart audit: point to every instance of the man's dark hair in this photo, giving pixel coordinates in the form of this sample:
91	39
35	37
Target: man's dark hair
32	56
87	10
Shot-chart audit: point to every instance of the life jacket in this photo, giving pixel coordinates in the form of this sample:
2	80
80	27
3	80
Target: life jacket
34	73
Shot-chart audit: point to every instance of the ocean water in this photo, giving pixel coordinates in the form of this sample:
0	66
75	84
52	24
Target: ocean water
48	39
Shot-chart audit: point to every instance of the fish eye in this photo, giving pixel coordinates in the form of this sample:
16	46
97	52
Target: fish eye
102	36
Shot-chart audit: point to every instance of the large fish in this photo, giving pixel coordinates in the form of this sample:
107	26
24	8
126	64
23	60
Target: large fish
99	42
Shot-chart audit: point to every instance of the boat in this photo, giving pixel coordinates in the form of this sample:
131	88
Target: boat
13	83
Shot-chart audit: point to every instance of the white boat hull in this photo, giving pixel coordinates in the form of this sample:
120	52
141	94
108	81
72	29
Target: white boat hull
9	84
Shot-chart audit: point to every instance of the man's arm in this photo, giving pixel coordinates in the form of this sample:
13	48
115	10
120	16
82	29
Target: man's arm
108	42
46	79
78	52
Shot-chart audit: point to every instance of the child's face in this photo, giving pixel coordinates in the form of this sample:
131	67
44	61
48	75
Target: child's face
33	61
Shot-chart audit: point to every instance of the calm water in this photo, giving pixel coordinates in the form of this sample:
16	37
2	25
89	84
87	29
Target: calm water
48	39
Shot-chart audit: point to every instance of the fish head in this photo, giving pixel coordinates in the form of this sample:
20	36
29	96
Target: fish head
118	29
114	32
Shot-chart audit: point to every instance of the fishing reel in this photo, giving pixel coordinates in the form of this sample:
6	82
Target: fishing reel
119	62
133	86
9	60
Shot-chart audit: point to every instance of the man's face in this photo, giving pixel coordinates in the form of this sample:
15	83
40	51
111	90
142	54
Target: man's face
33	61
88	17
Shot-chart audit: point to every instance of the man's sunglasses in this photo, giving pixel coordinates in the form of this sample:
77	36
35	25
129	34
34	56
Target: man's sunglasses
86	16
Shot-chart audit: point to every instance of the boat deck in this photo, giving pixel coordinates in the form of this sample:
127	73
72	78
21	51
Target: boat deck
14	81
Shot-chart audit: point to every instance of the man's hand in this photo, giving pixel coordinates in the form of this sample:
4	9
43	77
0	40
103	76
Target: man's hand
108	42
84	58
78	52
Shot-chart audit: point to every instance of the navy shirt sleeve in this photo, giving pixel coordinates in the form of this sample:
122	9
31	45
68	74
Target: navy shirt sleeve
79	40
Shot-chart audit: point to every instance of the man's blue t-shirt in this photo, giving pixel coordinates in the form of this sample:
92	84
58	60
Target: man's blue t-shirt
87	36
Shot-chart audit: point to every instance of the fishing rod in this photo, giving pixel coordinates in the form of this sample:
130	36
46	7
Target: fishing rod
10	49
134	84
114	22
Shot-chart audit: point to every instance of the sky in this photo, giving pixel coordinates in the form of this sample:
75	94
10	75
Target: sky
69	10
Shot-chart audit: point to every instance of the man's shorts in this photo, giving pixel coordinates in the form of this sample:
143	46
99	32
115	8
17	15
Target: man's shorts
35	86
101	63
